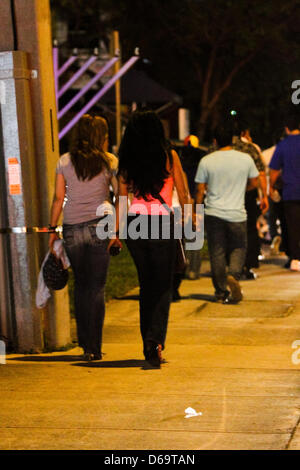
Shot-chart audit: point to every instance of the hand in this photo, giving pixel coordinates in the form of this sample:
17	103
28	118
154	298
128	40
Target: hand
52	238
114	242
264	204
198	221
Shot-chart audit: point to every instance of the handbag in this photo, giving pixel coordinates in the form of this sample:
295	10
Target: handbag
180	262
55	276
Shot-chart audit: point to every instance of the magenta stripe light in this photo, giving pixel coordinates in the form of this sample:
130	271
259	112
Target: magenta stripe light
67	64
89	85
76	75
98	95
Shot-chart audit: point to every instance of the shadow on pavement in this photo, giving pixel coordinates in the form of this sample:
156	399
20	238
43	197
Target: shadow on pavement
128	297
207	297
112	364
64	358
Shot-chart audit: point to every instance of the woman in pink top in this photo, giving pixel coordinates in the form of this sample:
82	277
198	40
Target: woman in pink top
149	169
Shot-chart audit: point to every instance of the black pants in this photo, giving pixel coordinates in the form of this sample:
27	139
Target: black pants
253	242
89	260
276	212
154	260
292	217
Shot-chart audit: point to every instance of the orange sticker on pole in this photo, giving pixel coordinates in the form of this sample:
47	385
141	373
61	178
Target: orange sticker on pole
14	177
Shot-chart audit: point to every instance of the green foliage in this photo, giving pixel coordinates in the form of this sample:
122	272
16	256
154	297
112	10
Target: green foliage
122	275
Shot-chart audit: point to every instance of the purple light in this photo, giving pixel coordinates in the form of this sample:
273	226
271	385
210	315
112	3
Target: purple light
98	95
67	64
76	75
87	86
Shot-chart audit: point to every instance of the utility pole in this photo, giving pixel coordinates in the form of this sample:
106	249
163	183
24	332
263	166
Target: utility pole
29	152
116	46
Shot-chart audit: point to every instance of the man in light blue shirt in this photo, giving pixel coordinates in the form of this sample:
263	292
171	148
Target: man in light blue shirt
225	175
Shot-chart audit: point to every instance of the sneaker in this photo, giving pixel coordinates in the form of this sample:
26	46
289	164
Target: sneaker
295	265
87	357
235	289
250	275
223	299
97	356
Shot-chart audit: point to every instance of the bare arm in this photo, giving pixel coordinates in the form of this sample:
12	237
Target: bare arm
121	210
57	204
252	183
115	185
274	174
180	181
200	193
264	203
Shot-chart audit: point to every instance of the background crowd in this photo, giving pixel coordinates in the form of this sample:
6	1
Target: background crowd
251	200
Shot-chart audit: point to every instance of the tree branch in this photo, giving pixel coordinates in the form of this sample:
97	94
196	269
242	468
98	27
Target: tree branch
209	72
229	79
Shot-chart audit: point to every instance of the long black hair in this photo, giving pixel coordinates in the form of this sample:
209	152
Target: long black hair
143	154
86	150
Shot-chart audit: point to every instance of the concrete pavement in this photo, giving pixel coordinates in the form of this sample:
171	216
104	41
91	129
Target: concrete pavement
233	363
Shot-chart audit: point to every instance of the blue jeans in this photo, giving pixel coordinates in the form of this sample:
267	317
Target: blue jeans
227	244
89	260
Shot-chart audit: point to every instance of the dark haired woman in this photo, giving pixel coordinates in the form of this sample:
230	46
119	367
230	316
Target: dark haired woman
149	169
83	179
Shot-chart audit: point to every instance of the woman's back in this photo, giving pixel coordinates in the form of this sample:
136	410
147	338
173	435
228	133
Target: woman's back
83	197
152	206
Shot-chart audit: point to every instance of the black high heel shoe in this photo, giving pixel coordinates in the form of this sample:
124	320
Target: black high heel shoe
153	355
88	357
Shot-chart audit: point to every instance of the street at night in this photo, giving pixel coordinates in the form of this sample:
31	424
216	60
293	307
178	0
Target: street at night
149	228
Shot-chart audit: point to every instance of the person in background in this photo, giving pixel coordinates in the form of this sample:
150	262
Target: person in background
275	215
83	178
179	276
150	169
191	155
285	163
243	143
224	176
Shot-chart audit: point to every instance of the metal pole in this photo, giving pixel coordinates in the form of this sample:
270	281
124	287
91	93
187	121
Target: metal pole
55	68
21	196
33	26
117	66
89	85
98	95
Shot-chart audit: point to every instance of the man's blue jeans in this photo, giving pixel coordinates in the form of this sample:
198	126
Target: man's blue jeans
227	245
89	260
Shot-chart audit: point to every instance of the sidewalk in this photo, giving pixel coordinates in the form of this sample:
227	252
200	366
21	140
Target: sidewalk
231	363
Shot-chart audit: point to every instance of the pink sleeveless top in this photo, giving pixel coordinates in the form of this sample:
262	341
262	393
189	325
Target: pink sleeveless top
154	206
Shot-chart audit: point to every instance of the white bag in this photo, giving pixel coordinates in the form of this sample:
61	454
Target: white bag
43	293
